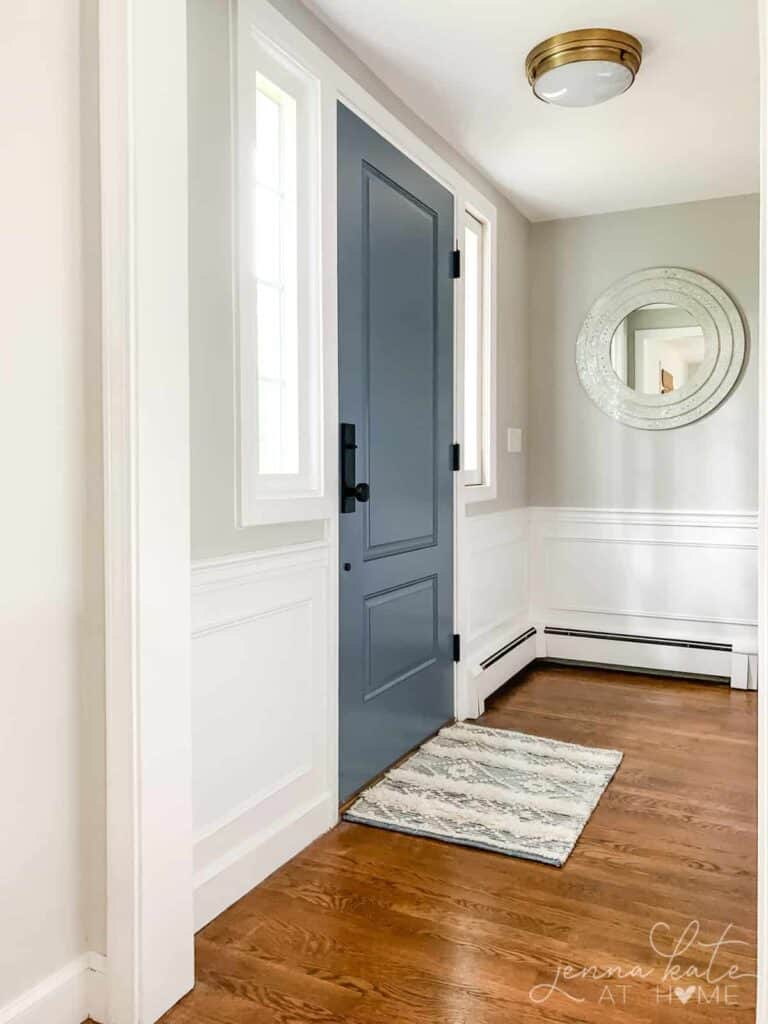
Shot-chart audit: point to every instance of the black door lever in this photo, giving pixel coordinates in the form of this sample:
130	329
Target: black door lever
351	492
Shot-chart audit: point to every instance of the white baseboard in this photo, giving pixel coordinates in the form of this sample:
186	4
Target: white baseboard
236	872
68	996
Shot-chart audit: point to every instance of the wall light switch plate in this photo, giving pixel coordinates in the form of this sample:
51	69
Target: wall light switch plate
514	439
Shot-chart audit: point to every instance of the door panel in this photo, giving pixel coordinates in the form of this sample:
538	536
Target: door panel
400	248
401	638
396	387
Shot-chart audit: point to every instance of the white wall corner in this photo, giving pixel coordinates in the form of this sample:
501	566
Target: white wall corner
541	640
68	996
743	670
96	987
754	674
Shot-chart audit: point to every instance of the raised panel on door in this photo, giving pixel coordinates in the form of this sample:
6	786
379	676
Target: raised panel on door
399	245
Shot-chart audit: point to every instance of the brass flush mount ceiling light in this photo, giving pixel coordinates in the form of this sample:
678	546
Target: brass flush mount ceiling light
585	67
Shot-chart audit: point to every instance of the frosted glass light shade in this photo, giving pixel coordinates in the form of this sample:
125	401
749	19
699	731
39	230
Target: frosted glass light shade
583	83
583	67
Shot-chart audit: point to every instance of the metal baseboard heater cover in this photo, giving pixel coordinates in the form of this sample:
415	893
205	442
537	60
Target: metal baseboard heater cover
503	651
627	638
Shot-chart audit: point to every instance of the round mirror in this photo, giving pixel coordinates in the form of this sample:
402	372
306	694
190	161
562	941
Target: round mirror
660	348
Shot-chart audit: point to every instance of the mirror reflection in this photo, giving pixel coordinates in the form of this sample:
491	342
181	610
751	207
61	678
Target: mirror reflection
657	348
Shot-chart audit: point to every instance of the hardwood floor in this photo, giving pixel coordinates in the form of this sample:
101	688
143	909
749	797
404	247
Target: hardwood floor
374	927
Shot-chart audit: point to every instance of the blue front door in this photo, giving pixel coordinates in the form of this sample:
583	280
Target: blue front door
396	409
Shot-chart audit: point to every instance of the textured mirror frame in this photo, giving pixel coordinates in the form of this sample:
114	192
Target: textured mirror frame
723	332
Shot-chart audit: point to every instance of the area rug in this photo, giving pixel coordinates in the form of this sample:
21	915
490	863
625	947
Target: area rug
524	796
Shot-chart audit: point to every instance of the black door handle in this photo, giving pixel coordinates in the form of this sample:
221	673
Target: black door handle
351	492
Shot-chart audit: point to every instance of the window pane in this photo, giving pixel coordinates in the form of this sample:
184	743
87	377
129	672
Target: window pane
472	355
274	268
266	163
270	415
268	331
277	370
266	234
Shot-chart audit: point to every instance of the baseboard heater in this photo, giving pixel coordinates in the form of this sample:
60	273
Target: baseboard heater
503	651
627	638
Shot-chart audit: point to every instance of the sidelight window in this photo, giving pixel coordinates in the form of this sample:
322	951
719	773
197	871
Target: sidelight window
274	280
478	362
276	219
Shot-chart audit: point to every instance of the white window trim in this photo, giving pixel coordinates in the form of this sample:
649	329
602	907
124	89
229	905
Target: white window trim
263	498
476	206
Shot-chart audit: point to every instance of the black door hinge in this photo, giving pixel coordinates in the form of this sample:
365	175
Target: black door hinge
455	457
456	263
456	647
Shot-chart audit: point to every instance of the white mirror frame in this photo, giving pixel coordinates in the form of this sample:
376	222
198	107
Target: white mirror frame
723	330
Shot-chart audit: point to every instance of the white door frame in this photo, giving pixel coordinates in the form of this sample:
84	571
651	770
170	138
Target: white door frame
143	111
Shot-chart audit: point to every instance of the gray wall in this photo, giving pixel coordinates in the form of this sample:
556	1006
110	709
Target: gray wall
578	456
212	438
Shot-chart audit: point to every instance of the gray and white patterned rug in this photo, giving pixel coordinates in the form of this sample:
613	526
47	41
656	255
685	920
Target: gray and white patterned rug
525	796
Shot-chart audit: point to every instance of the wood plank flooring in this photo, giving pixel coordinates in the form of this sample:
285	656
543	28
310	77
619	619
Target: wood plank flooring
374	927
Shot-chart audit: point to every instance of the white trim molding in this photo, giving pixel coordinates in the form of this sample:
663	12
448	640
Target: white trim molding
262	653
304	494
143	139
67	996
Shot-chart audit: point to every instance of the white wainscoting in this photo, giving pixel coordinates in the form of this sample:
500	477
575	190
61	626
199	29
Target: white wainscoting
263	717
685	575
494	585
264	712
496	579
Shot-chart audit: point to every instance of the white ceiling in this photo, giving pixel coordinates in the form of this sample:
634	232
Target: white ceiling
686	130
